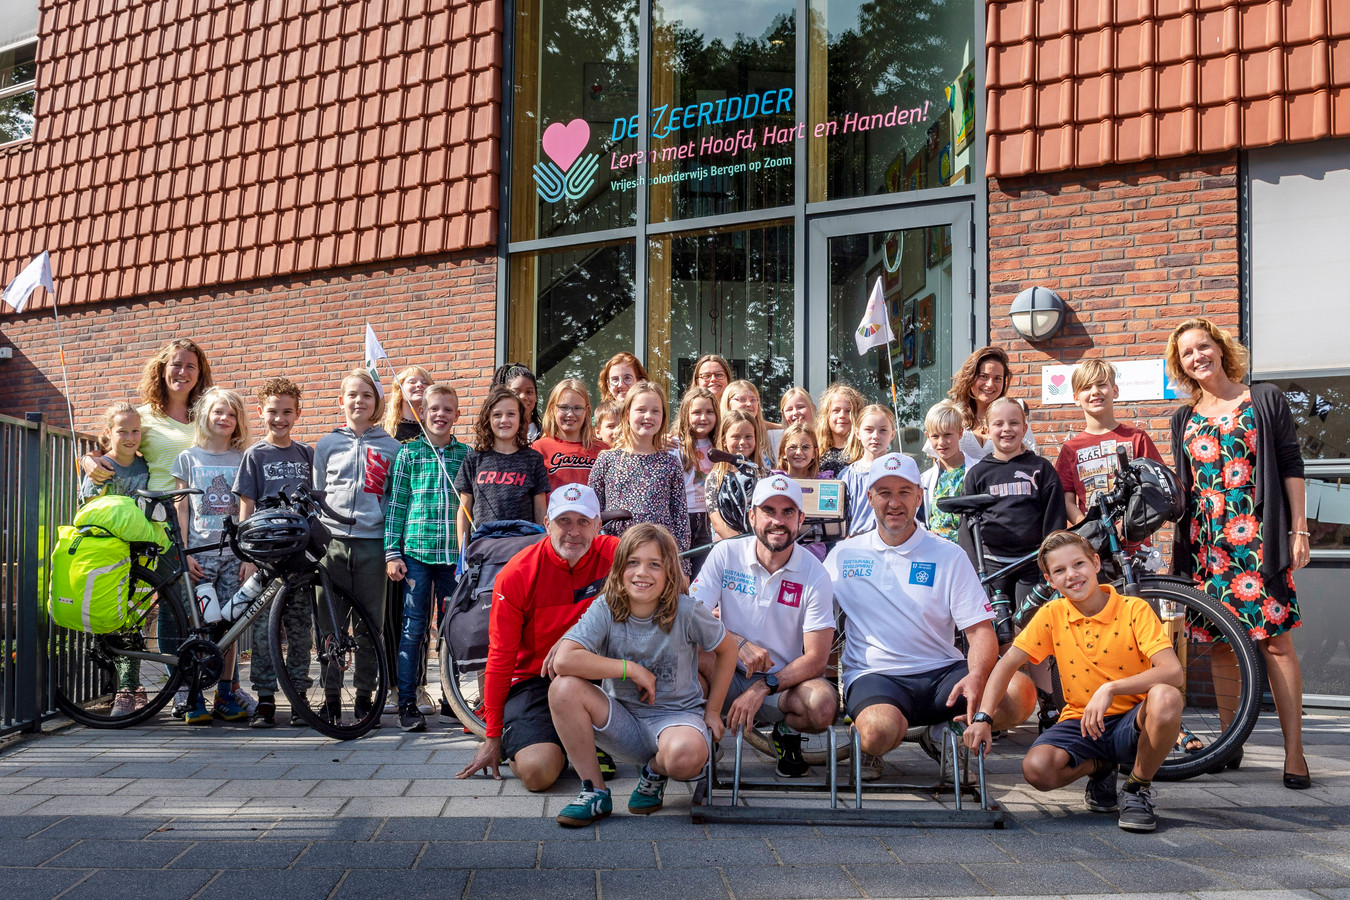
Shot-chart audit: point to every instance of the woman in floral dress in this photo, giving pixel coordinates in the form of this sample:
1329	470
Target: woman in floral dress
1245	530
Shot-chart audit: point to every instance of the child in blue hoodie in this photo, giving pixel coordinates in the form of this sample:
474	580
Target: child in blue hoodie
352	466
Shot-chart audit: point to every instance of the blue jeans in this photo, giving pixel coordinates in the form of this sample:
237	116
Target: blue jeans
418	585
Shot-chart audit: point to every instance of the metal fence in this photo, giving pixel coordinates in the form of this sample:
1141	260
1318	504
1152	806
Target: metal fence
39	486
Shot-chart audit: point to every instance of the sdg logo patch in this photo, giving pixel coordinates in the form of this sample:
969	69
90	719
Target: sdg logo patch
922	573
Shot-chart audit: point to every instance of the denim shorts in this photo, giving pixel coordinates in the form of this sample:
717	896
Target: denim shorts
1118	744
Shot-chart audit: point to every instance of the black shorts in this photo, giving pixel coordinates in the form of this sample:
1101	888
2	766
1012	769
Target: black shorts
1118	744
921	698
525	717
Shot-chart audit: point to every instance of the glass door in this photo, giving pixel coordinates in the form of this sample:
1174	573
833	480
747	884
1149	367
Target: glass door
922	259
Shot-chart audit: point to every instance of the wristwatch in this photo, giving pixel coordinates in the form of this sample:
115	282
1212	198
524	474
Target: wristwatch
772	682
982	718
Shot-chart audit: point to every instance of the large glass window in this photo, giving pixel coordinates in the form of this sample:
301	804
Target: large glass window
576	74
18	74
723	110
913	267
571	310
891	102
726	291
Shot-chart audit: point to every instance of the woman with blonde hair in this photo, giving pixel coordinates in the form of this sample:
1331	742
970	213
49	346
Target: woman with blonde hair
404	406
1245	529
840	406
569	445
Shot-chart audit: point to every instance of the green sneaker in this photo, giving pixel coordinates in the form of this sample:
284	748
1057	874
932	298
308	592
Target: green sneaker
589	806
649	795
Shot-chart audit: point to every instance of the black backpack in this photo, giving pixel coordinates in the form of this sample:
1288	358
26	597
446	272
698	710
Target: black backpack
465	624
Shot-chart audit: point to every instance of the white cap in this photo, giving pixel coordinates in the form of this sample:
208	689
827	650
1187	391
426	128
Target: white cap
897	464
777	486
578	498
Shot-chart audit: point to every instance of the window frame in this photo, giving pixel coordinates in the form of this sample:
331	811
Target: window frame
16	90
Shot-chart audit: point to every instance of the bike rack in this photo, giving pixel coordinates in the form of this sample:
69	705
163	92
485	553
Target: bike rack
736	795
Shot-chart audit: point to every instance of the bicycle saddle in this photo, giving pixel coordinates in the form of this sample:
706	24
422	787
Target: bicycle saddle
972	503
166	495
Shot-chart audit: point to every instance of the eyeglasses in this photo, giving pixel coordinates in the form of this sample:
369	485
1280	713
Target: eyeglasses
710	377
571	410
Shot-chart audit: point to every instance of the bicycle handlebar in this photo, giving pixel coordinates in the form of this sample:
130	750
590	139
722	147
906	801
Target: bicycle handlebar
735	459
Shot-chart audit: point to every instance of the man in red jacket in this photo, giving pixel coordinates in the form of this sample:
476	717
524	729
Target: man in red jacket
537	597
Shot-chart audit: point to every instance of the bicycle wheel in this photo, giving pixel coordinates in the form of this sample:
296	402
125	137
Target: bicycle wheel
462	687
1223	674
312	654
87	671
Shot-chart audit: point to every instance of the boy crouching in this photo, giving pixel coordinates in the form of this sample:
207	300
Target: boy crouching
1120	676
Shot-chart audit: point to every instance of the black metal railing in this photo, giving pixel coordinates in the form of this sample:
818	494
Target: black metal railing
39	489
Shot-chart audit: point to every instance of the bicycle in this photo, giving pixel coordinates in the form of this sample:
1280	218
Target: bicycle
169	652
1222	669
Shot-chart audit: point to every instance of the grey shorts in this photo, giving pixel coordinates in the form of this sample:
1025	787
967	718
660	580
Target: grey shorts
769	713
630	735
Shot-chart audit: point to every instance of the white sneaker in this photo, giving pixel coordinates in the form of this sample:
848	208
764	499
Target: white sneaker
391	703
246	700
180	704
872	767
424	704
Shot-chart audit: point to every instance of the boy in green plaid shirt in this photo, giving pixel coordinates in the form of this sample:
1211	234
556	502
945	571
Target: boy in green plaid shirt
420	548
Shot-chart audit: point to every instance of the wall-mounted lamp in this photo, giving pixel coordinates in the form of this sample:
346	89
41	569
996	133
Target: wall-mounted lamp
1037	313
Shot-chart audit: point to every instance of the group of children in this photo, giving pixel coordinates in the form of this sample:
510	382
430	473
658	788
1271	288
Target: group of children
415	494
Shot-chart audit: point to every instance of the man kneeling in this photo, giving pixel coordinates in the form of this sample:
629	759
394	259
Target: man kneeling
641	638
905	592
774	597
1120	676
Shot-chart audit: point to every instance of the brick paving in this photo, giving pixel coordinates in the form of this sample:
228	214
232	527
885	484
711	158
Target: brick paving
168	812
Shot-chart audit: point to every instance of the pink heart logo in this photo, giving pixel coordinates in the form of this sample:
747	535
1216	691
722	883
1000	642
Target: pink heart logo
564	143
1057	380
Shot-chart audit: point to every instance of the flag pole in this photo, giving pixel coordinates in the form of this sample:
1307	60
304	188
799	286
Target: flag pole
61	354
895	402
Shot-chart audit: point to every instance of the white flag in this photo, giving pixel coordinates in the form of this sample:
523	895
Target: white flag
38	272
875	328
374	353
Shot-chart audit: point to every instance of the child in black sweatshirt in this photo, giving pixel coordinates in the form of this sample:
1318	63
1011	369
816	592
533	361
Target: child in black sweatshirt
1031	506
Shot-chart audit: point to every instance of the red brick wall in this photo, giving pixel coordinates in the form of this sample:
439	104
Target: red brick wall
435	311
181	145
1132	250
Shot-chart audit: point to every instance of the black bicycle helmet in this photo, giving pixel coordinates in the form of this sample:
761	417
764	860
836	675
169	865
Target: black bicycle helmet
733	500
1157	500
272	535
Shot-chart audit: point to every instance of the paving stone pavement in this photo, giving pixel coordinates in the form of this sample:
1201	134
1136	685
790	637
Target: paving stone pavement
167	811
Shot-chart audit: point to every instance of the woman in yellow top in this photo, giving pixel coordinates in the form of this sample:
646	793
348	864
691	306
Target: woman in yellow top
172	381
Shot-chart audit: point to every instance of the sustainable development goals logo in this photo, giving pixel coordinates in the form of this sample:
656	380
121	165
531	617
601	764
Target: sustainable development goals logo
566	172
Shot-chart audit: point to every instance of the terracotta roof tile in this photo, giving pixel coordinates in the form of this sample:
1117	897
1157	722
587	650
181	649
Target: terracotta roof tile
1160	78
193	141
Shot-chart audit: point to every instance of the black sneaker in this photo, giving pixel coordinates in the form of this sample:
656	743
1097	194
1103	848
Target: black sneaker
1100	794
1136	810
787	748
363	707
607	767
265	715
331	711
1045	719
298	721
409	719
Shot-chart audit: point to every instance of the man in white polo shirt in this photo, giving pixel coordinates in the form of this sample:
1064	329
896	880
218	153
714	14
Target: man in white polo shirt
904	593
774	599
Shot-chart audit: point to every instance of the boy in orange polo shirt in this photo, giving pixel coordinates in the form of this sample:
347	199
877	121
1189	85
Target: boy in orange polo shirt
1120	677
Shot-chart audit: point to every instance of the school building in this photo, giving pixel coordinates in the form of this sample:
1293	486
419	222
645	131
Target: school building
551	181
